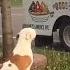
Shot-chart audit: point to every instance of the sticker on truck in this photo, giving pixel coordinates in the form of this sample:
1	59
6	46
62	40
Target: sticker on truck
39	11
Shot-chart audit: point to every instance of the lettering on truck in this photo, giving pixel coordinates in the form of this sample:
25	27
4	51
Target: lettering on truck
40	27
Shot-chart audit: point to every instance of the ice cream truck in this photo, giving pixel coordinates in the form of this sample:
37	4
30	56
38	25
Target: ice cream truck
48	17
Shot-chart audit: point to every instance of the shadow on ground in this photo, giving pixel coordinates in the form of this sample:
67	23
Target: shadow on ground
59	47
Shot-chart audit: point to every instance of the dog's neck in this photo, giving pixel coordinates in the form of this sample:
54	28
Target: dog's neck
23	47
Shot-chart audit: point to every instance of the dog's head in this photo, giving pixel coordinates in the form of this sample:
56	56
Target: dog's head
27	33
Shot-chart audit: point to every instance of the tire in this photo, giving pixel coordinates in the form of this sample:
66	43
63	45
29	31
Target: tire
64	35
42	41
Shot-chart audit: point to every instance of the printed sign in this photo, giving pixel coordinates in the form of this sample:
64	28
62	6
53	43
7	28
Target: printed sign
39	12
61	5
34	26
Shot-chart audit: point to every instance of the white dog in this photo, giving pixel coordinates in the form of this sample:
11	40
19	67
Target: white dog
22	57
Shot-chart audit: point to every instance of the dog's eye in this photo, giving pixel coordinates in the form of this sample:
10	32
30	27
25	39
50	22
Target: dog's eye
9	65
17	36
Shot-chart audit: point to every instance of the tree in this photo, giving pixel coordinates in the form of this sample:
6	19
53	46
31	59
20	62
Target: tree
7	28
0	2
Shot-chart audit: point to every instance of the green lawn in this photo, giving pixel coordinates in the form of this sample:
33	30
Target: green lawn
57	60
17	3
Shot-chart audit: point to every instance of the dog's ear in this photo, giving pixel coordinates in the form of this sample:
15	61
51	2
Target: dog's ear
30	36
17	36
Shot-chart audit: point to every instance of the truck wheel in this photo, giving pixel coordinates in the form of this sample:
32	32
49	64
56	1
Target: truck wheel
64	34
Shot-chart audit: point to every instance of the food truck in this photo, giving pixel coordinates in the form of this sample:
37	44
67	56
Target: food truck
48	17
45	16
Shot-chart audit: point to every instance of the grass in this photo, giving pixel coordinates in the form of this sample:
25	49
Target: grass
17	3
57	60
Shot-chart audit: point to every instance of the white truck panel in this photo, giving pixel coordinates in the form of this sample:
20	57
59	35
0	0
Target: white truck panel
48	20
